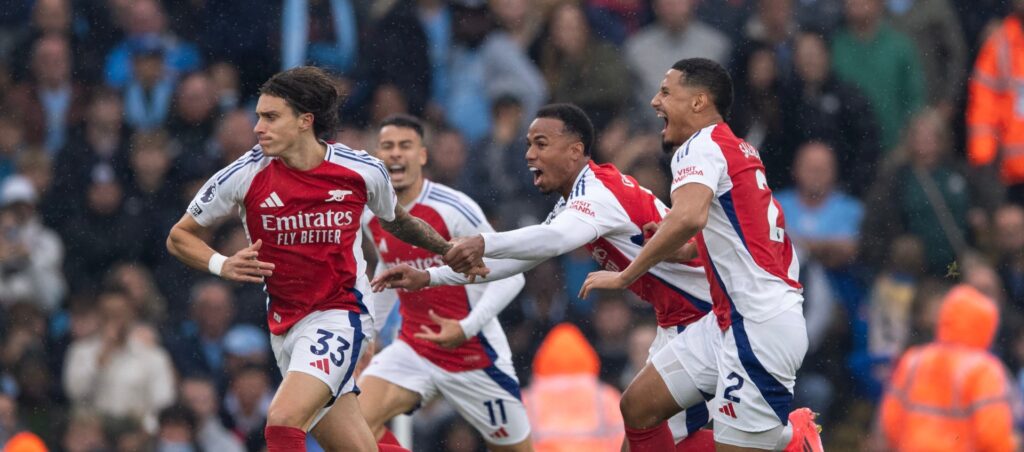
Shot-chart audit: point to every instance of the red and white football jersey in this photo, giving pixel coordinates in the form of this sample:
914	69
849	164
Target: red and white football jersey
618	208
452	214
750	262
309	222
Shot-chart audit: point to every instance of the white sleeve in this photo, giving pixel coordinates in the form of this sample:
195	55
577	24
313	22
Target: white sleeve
543	241
700	161
383	303
500	269
496	296
380	195
223	192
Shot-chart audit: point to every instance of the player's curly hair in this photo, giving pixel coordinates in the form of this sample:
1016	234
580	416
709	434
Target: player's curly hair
309	89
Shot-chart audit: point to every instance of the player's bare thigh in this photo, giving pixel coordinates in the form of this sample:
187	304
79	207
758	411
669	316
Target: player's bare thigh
382	400
343	427
298	400
647	401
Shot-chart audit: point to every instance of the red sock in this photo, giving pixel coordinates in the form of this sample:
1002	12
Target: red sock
391	448
654	439
699	441
284	439
388	438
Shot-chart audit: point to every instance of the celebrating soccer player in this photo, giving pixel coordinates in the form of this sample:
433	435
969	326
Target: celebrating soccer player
749	357
301	201
472	370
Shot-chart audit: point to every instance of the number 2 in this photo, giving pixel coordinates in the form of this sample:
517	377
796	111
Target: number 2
775	233
727	395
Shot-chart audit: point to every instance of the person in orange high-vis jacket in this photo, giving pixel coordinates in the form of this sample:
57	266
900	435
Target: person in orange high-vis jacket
570	409
952	394
995	108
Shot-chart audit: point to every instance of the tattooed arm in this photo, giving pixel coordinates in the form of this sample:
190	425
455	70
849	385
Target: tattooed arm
416	232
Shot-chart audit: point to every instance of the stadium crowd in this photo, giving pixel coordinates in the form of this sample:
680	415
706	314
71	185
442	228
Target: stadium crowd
892	132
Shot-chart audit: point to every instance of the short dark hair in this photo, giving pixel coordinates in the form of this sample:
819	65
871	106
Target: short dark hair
709	75
575	122
308	89
405	121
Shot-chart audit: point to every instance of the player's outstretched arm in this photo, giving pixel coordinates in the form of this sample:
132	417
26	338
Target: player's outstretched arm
184	243
405	277
416	232
689	214
532	243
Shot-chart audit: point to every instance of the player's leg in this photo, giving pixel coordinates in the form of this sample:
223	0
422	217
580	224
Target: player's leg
396	382
489	399
343	422
319	354
680	375
382	400
757	367
692	419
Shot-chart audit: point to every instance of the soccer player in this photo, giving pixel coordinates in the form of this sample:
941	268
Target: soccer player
600	208
472	371
748	354
301	201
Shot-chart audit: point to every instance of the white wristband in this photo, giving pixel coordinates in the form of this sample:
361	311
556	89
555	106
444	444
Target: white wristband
216	263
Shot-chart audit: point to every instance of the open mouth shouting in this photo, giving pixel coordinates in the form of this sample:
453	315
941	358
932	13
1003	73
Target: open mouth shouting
537	173
396	170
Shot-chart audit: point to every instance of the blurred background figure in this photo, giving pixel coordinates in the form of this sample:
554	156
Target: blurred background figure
952	392
570	408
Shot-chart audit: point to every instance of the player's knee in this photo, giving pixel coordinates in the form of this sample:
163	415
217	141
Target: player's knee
634	412
283	416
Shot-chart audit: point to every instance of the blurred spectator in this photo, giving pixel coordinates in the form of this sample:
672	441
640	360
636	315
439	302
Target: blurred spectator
519	18
612	320
888	320
995	109
234	137
571	409
509	72
582	69
1008	232
499	178
936	32
320	33
963	386
757	113
101	147
410	47
200	396
727	17
103	234
822	16
246	404
150	89
925	195
819	106
447	158
135	281
774	24
178	431
146	22
50	103
117	372
12	142
37	167
197	346
24	342
641	336
85	432
674	35
615	20
245	346
823	222
466	103
194	118
226	85
9	423
883	63
149	194
25	442
49	18
31	255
